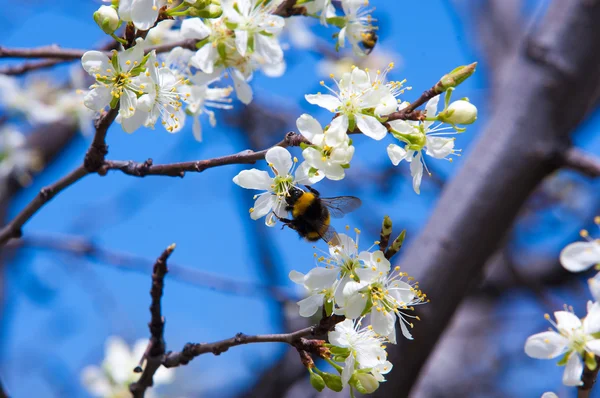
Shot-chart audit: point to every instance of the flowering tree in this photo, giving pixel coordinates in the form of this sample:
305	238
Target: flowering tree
172	62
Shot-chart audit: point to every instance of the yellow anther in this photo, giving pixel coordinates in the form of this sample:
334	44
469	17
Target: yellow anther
584	233
251	210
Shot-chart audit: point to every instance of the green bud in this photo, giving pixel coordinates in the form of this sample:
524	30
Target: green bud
317	381
386	231
107	19
396	245
212	11
333	382
456	77
339	351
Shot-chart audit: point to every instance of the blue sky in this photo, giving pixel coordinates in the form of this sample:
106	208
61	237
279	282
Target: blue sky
64	309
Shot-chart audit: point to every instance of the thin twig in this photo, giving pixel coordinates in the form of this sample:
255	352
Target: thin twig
589	379
156	345
13	70
179	169
94	158
13	229
52	51
3	393
582	162
295	339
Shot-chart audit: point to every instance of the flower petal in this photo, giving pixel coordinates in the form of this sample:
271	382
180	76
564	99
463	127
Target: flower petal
382	321
280	159
337	132
580	256
242	88
326	101
396	154
321	278
194	28
301	176
241	41
96	62
308	126
144	14
567	321
439	147
98	98
573	371
253	179
416	170
370	126
262	206
545	345
310	305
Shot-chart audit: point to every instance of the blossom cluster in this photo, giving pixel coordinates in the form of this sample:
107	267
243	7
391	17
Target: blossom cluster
360	285
113	377
576	341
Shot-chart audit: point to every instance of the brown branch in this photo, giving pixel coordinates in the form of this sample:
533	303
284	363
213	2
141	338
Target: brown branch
295	339
3	393
580	161
179	169
13	228
52	51
589	379
156	345
94	158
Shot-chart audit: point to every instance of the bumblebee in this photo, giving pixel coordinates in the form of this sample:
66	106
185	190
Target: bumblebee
369	40
311	214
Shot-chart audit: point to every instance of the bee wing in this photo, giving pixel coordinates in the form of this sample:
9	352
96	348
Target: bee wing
340	205
331	237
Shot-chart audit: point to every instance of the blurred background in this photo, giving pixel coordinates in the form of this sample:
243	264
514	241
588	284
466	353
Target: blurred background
82	271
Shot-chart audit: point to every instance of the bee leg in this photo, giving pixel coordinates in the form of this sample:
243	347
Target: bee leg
311	189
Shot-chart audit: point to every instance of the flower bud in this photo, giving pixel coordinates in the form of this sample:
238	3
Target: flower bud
107	19
459	112
456	77
317	382
333	382
365	383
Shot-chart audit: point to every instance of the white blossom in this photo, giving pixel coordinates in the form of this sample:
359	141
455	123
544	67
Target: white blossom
418	137
459	112
358	102
359	25
324	8
255	27
365	351
272	202
16	160
113	377
116	79
107	19
573	339
143	13
331	158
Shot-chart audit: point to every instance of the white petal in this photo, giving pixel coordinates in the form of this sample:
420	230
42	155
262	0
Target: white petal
144	14
163	376
567	320
326	101
334	172
580	256
118	359
549	394
593	346
281	159
591	323
594	285
416	170
133	123
405	331
268	48
370	126
96	62
396	154
194	28
204	58
545	345
262	206
321	278
432	105
127	104
308	126
382	321
337	132
348	370
297	277
310	305
242	88
314	158
241	41
98	98
125	10
253	179
573	371
439	147
346	247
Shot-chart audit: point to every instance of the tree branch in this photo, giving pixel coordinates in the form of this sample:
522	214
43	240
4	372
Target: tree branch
589	379
580	161
156	345
94	158
514	154
51	51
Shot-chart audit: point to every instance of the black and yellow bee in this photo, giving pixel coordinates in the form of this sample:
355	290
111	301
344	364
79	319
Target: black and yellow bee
311	214
369	40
